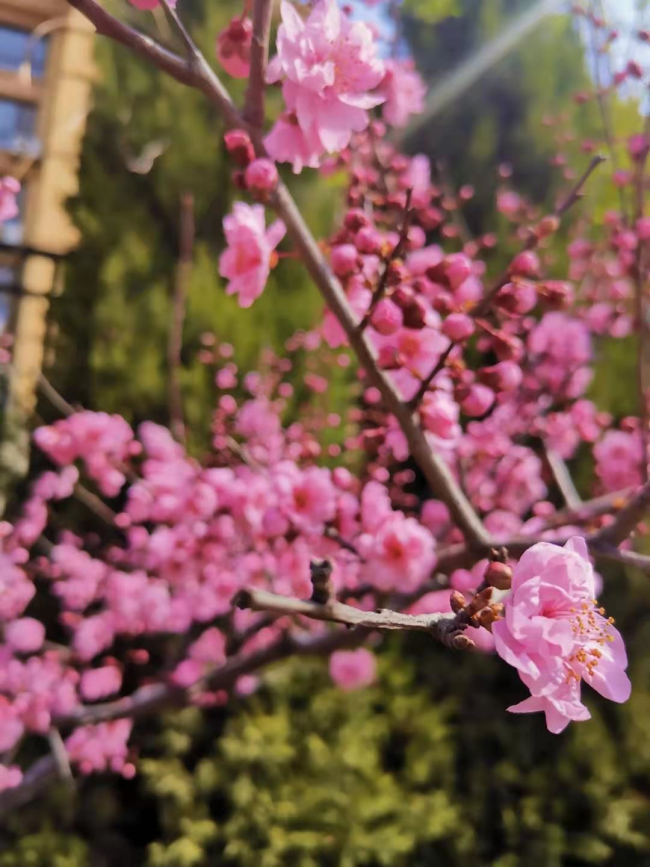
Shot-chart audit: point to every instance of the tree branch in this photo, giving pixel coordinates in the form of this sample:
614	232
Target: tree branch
156	698
562	478
484	304
446	628
201	76
626	520
254	100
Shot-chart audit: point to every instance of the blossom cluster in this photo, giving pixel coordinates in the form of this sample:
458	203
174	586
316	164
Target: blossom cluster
492	371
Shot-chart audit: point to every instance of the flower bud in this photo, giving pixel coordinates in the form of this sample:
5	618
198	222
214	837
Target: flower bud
504	376
499	575
457	602
643	228
517	298
458	267
478	401
239	146
415	313
234	47
547	226
355	219
368	240
525	264
556	294
387	317
261	176
458	326
345	259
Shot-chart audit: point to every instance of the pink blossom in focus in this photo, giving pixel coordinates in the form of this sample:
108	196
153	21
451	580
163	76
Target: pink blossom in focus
353	669
404	91
328	65
246	263
555	636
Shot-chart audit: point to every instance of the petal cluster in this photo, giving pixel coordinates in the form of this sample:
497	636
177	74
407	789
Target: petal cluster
554	634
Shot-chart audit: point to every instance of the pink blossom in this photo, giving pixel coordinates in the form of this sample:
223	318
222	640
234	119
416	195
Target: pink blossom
387	317
246	263
458	326
555	636
98	683
307	497
234	47
404	91
10	777
400	555
353	669
25	635
288	143
328	64
618	460
439	413
101	747
9	190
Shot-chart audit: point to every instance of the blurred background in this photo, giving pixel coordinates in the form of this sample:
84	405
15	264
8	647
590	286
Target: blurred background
425	767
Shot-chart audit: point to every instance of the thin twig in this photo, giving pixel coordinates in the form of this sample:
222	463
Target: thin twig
201	76
562	478
156	698
52	395
254	100
395	254
182	280
626	520
442	627
485	303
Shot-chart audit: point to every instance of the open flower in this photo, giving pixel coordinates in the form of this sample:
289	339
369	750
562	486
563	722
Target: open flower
555	634
247	261
327	64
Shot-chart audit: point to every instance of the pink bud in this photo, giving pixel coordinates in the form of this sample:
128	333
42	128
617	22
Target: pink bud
478	401
458	268
239	146
387	317
345	259
518	298
261	176
368	240
504	376
458	326
526	264
439	414
355	219
25	635
234	47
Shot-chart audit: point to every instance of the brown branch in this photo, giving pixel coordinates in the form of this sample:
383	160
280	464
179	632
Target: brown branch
201	76
562	478
627	558
182	280
52	396
443	627
254	100
485	303
626	520
156	698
